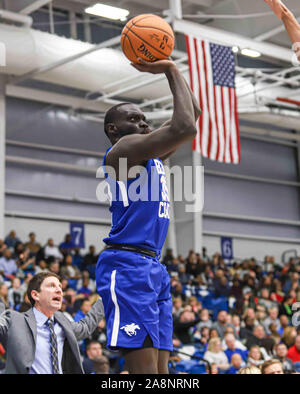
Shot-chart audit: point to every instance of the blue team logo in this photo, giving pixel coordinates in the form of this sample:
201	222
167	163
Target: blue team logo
130	329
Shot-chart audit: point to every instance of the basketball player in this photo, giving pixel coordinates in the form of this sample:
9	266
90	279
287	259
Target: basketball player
134	286
290	22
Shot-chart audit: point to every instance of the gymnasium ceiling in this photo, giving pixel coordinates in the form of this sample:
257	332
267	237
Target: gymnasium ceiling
249	27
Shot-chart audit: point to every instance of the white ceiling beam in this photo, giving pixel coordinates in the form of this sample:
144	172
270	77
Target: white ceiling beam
271	33
202	3
57	99
35	5
227	38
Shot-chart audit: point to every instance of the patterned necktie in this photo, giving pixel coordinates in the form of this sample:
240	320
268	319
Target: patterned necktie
53	345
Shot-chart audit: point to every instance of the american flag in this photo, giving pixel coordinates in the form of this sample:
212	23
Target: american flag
212	79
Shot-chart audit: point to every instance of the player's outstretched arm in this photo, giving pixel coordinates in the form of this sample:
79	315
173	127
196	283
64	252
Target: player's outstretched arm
290	22
139	148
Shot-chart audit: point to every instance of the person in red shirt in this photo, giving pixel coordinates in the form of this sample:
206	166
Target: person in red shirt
294	351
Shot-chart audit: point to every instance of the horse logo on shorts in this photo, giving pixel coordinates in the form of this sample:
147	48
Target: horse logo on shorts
130	329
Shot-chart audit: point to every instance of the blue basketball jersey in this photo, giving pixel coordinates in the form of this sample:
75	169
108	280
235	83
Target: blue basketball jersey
140	208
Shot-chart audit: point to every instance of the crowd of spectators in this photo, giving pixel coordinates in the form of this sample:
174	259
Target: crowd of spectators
229	317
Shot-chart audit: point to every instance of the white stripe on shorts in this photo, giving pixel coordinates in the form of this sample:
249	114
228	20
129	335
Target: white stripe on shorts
116	324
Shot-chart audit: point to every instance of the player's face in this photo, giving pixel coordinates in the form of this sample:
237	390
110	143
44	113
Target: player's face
132	121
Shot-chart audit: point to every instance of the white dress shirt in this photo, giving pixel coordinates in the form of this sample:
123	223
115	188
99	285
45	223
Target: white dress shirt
42	361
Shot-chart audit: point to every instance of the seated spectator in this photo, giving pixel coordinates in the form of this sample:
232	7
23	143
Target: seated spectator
26	263
173	267
4	295
54	267
42	266
84	289
289	336
168	257
222	324
92	283
205	320
213	333
3	247
182	275
264	299
294	351
32	245
281	352
195	304
214	354
93	351
249	371
177	307
100	333
83	311
236	321
63	309
207	276
291	283
285	308
67	247
247	330
15	294
90	259
8	266
259	338
260	315
50	250
213	369
271	319
222	288
231	348
70	271
11	240
204	336
255	357
272	367
77	258
101	365
26	280
284	323
236	364
185	326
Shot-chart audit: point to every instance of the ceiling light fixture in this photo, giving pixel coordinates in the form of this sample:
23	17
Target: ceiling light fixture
108	11
250	52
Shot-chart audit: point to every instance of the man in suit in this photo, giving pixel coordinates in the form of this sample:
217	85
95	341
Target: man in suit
42	340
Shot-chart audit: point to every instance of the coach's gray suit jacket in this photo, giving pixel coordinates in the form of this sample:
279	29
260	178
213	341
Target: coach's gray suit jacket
18	336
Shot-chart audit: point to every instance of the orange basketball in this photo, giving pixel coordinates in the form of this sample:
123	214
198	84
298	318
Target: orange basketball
149	37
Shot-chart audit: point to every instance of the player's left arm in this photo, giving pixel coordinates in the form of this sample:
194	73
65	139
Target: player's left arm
287	17
197	113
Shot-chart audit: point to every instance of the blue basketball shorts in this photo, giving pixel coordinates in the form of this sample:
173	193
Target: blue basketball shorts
135	290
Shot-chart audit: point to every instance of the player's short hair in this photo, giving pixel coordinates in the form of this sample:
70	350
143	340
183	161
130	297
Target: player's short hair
111	115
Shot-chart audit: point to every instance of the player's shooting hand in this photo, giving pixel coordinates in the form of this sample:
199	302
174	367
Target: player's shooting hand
158	67
277	7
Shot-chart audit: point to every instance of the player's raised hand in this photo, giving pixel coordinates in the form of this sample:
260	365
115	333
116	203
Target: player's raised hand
158	67
277	7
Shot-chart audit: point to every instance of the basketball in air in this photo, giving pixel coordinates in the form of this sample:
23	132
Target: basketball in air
149	37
